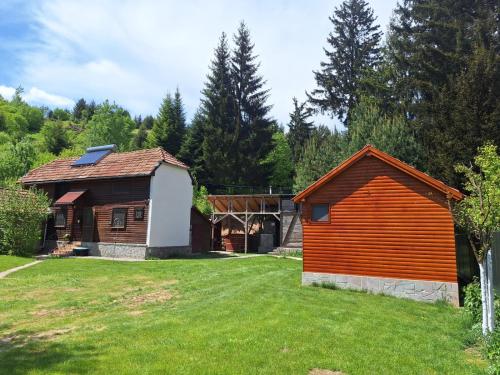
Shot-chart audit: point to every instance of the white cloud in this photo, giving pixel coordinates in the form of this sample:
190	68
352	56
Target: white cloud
7	92
134	52
38	97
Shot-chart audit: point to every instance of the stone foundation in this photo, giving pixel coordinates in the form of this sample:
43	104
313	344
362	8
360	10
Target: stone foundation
419	290
116	250
134	251
169	251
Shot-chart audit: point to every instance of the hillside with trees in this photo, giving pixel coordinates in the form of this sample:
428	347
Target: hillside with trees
428	93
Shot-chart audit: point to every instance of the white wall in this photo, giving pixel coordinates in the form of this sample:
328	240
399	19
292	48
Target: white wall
170	207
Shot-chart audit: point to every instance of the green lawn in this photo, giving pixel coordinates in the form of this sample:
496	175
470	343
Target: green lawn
8	261
214	316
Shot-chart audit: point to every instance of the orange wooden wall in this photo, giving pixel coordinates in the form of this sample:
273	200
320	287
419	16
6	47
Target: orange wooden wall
384	223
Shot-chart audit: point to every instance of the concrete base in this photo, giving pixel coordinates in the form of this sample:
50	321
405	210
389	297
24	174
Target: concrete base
169	251
419	290
134	251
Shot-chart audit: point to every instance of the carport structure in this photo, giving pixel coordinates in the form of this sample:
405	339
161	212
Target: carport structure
245	209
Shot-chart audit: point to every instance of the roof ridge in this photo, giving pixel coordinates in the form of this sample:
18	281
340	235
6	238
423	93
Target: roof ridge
389	159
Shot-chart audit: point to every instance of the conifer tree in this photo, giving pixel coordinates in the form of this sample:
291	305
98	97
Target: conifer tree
353	49
253	128
218	105
158	137
140	138
299	128
178	125
439	51
78	109
191	151
148	122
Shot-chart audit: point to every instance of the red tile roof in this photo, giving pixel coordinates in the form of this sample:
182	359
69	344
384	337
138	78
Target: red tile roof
122	164
70	197
369	150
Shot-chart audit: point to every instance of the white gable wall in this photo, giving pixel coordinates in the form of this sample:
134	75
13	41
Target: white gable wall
169	207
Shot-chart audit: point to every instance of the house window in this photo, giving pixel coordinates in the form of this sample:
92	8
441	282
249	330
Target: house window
60	218
119	218
320	212
139	213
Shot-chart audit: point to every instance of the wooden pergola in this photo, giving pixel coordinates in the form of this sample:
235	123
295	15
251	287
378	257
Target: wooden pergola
244	208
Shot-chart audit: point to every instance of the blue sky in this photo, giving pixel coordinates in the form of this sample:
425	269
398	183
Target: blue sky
134	52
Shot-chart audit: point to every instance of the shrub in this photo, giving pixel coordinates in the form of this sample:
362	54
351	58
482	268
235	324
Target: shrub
21	215
473	304
493	352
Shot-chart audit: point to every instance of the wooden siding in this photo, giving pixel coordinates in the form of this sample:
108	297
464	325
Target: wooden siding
383	222
103	196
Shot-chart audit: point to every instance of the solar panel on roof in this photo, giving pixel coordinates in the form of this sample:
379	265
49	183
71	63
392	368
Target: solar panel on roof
91	158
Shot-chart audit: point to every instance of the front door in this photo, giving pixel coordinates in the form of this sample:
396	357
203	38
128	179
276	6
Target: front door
88	224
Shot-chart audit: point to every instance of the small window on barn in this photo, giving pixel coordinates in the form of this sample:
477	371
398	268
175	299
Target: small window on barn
320	212
139	213
60	218
119	218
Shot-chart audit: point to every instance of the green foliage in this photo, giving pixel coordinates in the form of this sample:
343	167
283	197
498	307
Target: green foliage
148	122
60	114
479	212
170	126
110	124
200	200
16	159
191	153
354	50
299	128
140	138
322	152
219	147
78	109
493	352
391	134
445	76
21	216
253	128
280	162
55	136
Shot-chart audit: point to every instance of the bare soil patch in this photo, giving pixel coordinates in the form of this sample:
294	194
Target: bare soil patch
44	313
158	296
320	371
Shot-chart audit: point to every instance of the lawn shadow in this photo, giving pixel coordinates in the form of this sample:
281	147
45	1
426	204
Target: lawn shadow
21	354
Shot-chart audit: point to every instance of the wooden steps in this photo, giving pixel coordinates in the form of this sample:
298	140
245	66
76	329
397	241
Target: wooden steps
65	250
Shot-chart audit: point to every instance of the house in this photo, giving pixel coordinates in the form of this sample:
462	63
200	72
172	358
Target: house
378	224
118	204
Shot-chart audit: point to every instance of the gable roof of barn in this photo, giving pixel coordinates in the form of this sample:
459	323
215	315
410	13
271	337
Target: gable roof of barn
370	151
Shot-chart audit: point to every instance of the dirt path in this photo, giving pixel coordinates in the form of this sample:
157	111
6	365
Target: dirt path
15	269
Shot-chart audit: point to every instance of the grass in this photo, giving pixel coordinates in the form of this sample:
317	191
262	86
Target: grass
215	316
9	261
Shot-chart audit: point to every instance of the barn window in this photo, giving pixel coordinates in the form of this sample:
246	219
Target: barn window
60	218
139	213
320	212
119	218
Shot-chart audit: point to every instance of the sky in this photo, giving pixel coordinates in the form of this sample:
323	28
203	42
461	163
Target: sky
135	52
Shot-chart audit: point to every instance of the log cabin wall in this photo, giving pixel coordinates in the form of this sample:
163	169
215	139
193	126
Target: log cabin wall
103	196
383	222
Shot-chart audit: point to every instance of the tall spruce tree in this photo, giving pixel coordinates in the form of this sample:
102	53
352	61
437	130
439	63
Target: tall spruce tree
170	125
253	127
353	50
160	131
299	128
220	142
434	47
191	151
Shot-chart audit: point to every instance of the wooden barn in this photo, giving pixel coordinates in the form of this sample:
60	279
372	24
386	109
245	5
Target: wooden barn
375	223
117	204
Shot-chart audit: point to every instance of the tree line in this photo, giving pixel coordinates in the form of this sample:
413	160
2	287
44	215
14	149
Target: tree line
427	93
